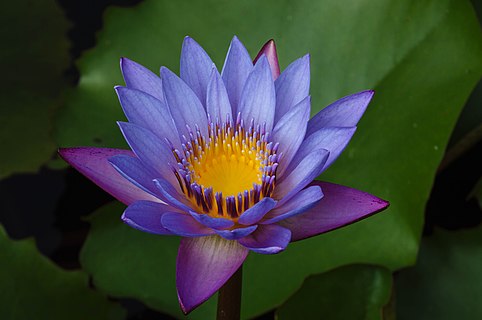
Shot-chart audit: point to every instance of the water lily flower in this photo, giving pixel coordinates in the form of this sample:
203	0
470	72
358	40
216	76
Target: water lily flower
227	160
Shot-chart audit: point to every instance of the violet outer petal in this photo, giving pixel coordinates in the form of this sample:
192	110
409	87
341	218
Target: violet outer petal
139	77
302	201
257	212
171	196
93	163
258	99
195	67
153	152
269	50
132	169
292	86
333	139
267	239
185	107
237	233
146	216
217	100
345	112
307	170
290	130
212	222
236	70
146	111
340	206
203	266
184	225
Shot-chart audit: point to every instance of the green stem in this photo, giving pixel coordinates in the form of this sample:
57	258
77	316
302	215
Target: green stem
229	297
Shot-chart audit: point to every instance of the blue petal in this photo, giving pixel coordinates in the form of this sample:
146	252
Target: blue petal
345	112
236	69
289	132
306	171
211	222
236	233
153	153
146	111
185	107
184	225
258	99
139	77
257	212
217	100
171	196
132	169
302	201
146	216
195	67
331	138
267	239
292	86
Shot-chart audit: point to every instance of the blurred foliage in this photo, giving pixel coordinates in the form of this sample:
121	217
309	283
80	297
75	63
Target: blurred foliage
351	292
34	57
34	288
423	59
446	283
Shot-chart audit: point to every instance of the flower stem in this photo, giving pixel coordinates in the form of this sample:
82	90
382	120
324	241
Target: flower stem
229	297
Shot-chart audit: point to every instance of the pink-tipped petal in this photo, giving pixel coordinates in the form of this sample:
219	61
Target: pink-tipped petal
269	49
339	207
203	265
93	163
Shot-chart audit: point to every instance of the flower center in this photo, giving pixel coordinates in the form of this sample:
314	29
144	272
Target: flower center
230	170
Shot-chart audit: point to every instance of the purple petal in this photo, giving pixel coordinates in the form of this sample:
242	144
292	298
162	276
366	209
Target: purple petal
182	224
146	111
153	153
345	112
290	130
237	233
339	207
267	239
146	216
203	266
139	77
292	86
93	163
258	98
333	139
307	170
171	196
132	169
302	201
236	70
186	109
269	50
195	67
257	212
212	222
217	100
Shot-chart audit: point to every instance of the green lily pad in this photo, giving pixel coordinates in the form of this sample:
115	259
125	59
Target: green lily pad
34	56
34	288
422	58
351	292
446	282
